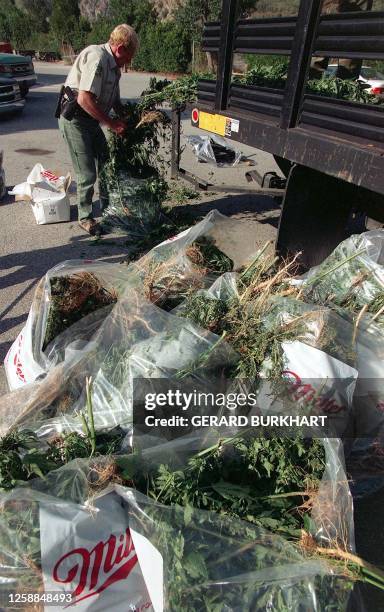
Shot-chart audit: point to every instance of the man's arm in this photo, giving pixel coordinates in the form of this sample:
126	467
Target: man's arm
87	101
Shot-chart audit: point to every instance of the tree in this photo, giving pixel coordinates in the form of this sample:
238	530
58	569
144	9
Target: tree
15	26
192	14
100	32
64	19
172	55
137	14
80	34
38	12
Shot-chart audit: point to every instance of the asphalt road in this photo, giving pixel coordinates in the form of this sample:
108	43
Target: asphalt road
28	250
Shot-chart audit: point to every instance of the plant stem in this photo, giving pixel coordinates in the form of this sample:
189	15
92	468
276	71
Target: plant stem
364	566
91	420
200	360
254	261
320	277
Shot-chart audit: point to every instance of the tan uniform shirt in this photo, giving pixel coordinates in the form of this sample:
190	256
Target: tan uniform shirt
95	70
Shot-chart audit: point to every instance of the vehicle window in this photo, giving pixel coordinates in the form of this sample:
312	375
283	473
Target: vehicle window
330	70
272	8
370	73
350	6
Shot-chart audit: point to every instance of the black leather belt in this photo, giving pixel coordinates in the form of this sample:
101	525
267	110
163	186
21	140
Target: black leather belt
80	113
68	107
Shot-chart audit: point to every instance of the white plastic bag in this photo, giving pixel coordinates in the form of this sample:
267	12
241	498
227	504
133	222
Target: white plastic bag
20	365
26	360
91	555
48	195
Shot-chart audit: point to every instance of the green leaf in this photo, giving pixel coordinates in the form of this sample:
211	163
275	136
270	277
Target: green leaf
195	566
229	490
188	512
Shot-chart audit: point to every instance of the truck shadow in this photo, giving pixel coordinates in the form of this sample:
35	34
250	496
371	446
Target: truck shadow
265	207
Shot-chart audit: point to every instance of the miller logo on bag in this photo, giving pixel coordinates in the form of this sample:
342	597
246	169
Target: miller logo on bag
92	571
89	554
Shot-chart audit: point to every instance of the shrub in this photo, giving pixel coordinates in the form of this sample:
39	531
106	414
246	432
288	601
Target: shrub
44	41
100	32
15	25
164	47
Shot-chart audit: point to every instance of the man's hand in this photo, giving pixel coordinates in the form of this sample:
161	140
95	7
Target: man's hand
118	126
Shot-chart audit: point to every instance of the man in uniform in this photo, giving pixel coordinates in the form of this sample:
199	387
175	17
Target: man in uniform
94	79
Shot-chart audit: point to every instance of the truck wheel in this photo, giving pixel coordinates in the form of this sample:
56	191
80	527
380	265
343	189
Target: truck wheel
314	216
284	165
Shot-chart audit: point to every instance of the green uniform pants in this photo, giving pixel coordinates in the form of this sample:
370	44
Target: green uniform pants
89	152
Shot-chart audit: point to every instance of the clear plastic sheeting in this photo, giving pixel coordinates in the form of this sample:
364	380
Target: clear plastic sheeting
214	150
352	276
83	551
331	507
208	561
166	274
216	562
40	345
275	503
134	206
136	340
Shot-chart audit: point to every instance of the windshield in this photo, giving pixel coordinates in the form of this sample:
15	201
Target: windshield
370	73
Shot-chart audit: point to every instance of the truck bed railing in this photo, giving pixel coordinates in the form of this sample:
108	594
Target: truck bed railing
347	35
354	35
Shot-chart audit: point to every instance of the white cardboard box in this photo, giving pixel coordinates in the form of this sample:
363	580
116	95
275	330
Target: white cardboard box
53	209
47	192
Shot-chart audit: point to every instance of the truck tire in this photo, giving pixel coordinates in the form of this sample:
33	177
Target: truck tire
284	165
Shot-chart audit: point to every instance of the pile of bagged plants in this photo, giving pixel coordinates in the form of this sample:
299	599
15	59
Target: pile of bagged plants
97	511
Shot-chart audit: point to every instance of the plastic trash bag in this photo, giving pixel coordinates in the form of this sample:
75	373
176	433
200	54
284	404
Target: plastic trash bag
134	205
214	150
352	276
42	341
187	558
215	562
83	551
30	356
136	340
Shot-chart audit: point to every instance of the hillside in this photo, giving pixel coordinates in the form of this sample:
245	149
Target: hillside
92	9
